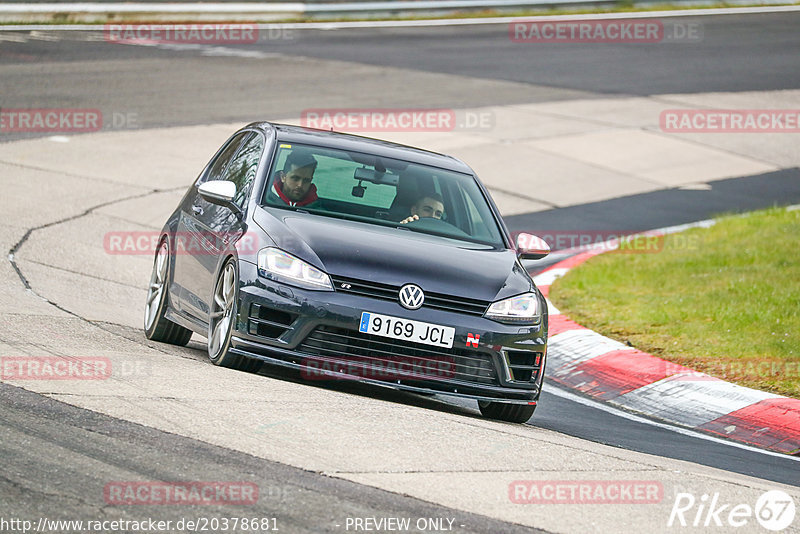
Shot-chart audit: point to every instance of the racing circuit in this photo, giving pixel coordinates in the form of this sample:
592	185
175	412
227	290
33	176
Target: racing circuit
566	137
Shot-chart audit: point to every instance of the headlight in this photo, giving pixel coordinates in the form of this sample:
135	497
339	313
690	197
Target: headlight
276	264
522	309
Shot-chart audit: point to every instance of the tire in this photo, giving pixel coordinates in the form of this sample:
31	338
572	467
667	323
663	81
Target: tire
221	321
503	411
156	326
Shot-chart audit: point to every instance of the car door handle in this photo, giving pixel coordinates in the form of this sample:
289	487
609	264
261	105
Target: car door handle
197	210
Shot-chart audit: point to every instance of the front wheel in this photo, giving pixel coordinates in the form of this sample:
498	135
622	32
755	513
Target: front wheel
503	411
221	322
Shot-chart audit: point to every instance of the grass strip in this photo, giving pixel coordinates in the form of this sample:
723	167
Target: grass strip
723	300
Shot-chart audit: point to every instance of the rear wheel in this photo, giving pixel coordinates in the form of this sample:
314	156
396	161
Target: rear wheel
513	413
156	326
221	322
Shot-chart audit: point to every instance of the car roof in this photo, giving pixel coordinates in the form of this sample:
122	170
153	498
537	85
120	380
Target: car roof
330	139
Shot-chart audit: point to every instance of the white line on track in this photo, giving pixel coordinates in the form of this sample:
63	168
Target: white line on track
558	392
451	22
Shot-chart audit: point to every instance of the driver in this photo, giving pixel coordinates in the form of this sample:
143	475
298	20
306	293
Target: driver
293	185
430	206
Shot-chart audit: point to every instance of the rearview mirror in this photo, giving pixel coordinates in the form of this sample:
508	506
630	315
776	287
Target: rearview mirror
362	174
531	247
221	193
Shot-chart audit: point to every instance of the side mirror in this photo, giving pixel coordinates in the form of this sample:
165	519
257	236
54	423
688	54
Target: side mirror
221	193
531	247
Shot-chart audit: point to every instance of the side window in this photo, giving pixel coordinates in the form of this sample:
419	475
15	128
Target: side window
218	166
242	170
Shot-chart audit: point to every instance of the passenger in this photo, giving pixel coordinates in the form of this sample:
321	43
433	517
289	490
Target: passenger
428	206
292	185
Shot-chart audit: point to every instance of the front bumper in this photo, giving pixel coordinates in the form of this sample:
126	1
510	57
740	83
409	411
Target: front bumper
316	332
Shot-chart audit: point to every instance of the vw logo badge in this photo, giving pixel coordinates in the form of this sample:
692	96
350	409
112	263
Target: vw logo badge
411	296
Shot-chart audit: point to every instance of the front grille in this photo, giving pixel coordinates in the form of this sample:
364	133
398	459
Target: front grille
372	356
524	366
435	301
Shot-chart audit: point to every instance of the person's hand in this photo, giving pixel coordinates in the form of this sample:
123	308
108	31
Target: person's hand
409	219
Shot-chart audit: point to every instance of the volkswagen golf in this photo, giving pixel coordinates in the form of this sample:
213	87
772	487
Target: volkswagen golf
351	258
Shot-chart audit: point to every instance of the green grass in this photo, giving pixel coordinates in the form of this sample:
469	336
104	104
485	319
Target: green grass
723	300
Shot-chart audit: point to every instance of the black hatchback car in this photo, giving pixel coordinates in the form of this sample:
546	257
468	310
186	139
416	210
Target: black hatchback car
352	258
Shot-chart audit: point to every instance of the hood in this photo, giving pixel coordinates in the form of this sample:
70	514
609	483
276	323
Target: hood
396	257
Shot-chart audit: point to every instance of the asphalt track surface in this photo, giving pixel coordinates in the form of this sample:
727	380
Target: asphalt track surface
58	454
211	84
717	62
166	86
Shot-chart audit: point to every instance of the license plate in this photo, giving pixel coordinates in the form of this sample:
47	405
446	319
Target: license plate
405	329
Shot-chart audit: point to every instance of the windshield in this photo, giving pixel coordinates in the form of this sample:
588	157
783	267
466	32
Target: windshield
382	191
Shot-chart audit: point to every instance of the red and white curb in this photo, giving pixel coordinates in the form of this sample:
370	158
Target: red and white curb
612	372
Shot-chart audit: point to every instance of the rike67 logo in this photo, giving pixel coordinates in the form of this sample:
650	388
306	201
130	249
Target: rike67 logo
774	510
